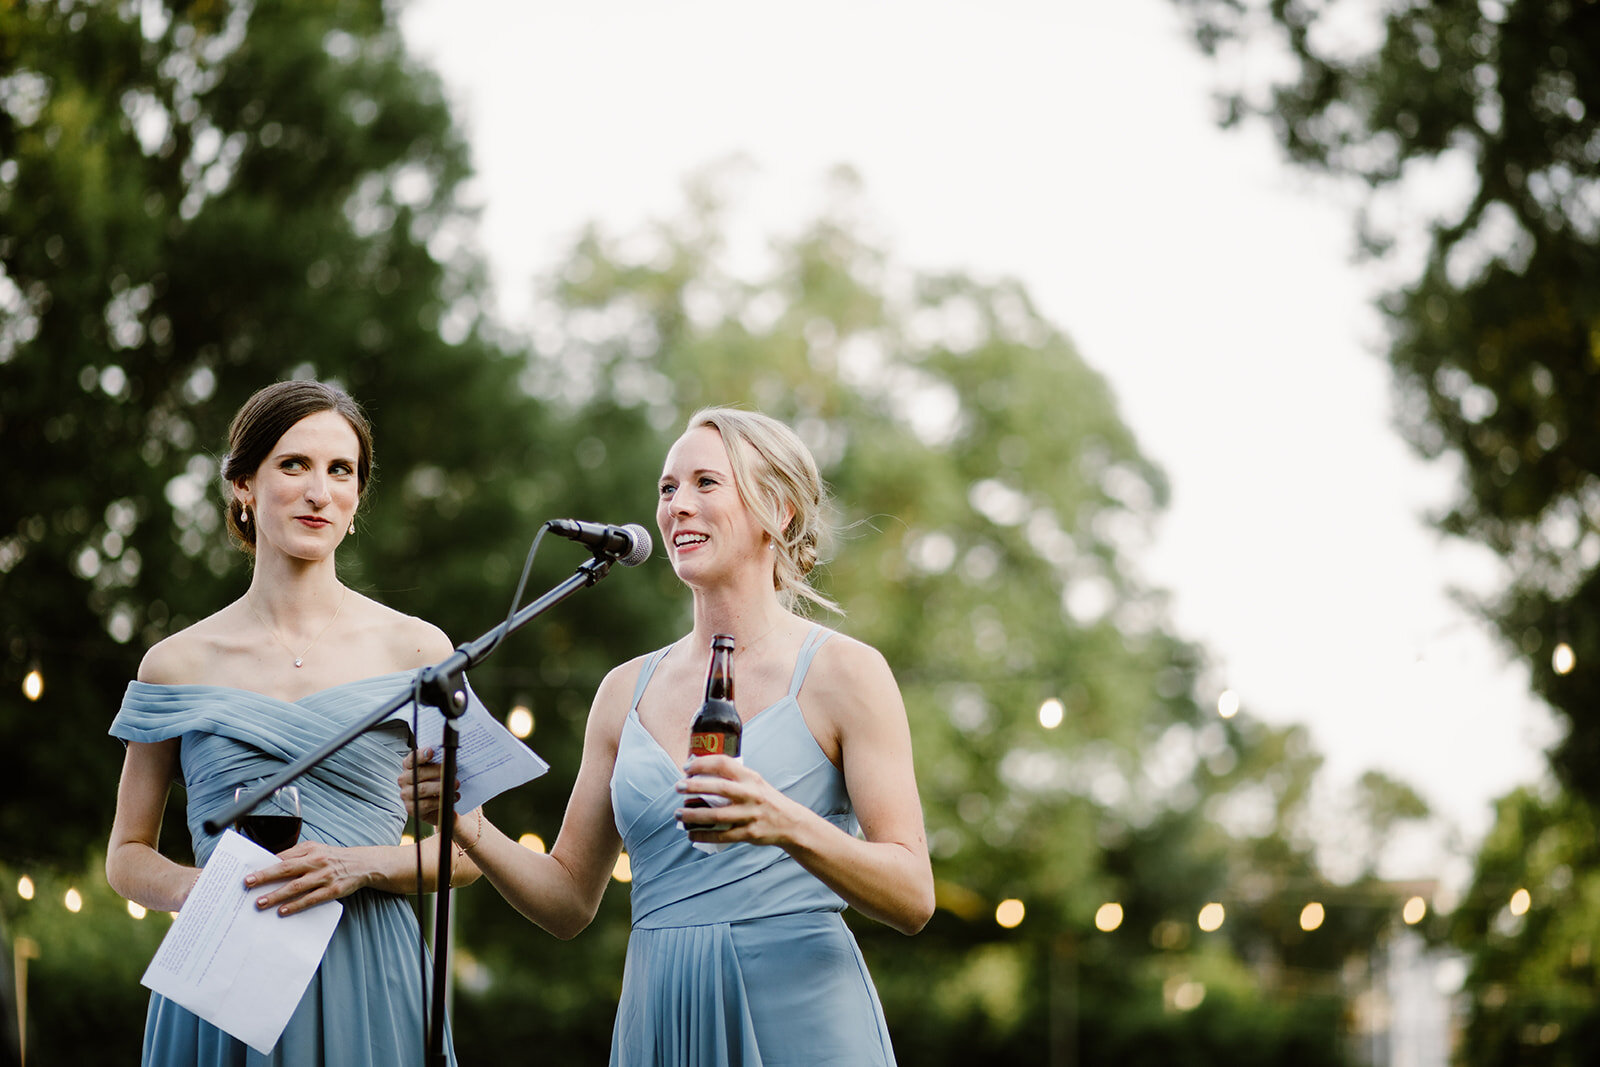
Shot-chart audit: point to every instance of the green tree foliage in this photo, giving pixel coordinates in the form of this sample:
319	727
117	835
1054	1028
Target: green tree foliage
1474	127
85	1004
1494	319
1530	925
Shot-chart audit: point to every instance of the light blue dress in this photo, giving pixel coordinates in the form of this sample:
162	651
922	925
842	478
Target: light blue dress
365	1006
741	957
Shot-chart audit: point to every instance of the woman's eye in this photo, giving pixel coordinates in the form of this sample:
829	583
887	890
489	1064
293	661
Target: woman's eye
665	489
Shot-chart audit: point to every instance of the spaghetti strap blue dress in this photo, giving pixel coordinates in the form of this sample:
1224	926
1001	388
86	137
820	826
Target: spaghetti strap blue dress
739	958
365	1006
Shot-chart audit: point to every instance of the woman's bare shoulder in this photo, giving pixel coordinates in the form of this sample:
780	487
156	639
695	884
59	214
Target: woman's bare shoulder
190	656
613	698
853	659
616	688
851	676
409	642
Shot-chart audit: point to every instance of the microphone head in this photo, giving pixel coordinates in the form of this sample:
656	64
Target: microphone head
641	545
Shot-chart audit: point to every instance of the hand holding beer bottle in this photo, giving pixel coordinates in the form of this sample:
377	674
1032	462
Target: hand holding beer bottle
717	728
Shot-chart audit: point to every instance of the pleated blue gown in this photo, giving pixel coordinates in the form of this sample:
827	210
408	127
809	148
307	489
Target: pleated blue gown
365	1006
741	957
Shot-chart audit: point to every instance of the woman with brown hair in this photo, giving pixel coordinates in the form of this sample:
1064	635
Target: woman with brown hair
233	698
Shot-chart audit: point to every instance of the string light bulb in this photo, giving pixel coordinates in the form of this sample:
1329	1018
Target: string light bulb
519	720
1521	901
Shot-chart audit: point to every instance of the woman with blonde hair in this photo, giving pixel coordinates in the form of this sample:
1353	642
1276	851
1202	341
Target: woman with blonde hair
738	956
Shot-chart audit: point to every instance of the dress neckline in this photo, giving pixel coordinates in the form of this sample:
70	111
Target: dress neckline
796	681
764	714
270	697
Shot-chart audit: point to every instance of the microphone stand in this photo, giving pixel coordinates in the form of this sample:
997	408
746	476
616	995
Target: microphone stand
441	686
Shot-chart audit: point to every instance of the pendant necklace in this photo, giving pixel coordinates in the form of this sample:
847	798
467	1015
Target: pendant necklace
752	644
301	658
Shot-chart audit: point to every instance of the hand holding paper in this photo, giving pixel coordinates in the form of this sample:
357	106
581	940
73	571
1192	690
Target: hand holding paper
240	969
489	759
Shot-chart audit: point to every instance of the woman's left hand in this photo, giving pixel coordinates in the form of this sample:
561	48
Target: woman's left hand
756	812
311	873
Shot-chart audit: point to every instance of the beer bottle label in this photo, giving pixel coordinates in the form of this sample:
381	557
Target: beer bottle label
710	744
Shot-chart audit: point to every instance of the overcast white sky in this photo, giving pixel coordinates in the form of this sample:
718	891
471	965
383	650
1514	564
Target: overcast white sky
1070	144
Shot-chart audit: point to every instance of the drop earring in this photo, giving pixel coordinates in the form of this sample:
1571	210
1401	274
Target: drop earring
352	527
244	515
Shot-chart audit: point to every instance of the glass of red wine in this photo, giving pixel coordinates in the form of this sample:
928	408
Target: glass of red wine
274	824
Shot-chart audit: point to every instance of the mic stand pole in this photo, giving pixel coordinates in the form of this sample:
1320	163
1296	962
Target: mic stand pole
442	686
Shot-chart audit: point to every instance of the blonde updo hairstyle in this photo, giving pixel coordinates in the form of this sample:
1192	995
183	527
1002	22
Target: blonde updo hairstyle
774	472
261	423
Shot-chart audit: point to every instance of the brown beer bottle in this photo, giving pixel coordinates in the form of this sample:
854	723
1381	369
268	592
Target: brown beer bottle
717	728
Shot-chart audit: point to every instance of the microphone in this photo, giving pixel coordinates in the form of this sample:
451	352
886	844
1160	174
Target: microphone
629	545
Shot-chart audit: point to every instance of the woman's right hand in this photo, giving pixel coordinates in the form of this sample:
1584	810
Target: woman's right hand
420	785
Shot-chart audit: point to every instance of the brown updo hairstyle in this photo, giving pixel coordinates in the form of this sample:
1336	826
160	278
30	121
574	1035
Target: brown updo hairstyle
775	472
263	420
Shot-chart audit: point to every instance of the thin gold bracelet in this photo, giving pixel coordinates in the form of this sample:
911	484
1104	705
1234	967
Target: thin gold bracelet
461	851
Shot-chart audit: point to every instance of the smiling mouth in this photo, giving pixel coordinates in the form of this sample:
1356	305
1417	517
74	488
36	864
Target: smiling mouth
689	540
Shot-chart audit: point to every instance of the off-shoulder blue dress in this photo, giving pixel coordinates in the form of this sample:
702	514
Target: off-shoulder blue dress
741	957
365	1005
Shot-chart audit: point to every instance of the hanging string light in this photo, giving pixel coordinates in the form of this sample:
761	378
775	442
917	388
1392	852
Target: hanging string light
1521	901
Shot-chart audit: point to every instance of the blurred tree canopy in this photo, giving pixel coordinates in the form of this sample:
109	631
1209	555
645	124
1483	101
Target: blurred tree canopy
1530	925
1472	130
197	199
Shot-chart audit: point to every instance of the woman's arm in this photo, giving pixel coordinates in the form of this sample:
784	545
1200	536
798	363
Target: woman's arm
886	876
135	868
313	873
559	891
